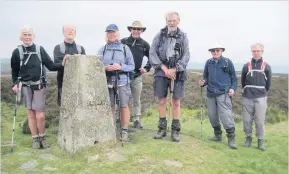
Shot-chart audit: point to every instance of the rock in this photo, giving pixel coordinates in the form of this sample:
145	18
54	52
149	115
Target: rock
47	168
173	163
85	113
129	152
92	158
29	164
48	156
115	156
144	161
24	153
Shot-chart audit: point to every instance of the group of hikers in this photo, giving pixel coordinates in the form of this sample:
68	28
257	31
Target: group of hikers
169	56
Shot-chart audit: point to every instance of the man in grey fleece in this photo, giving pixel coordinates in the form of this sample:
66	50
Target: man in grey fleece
169	56
256	81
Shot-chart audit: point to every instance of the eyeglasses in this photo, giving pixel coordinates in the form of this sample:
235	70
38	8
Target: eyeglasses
212	51
138	29
258	51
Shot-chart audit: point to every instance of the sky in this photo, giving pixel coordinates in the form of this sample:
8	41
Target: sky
236	24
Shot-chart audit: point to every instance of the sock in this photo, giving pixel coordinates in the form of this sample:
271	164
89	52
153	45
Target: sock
41	135
176	120
35	136
163	119
136	118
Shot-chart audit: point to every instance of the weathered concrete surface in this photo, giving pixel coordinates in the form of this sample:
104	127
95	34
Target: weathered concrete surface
85	116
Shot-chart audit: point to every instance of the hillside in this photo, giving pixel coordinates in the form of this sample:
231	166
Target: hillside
277	100
144	155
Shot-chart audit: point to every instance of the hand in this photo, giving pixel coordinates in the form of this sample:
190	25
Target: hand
116	66
231	92
64	59
165	69
142	70
15	88
172	73
109	68
202	82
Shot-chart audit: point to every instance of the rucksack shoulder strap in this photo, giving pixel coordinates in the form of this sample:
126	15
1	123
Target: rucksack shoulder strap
249	64
62	47
78	47
21	52
104	49
263	66
124	50
38	52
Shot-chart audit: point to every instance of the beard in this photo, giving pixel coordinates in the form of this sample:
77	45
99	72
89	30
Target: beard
171	29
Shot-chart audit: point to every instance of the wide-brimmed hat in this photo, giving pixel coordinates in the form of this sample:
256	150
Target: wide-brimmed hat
111	27
136	24
217	45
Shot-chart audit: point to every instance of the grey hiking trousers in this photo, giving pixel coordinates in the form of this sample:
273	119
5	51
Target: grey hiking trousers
136	88
254	109
220	110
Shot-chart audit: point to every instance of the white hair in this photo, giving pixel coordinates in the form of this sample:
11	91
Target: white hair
68	26
172	13
25	29
117	36
258	45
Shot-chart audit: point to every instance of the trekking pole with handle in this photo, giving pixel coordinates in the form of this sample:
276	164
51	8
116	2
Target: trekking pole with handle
201	111
118	105
17	97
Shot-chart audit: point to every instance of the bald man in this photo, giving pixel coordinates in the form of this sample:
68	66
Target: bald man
68	47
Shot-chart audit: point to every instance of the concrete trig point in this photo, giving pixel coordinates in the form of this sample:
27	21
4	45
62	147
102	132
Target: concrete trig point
85	114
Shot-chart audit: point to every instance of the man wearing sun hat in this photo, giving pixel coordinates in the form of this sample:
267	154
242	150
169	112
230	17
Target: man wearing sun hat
220	78
139	48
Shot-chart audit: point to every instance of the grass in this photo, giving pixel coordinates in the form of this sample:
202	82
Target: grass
196	153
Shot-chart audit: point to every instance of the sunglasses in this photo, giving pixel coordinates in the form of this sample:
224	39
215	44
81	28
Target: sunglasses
138	29
212	51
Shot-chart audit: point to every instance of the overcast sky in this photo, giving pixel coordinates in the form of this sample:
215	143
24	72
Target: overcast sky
236	24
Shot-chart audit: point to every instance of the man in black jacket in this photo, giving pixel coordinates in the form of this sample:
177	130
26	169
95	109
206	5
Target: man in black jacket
256	81
139	49
27	69
68	47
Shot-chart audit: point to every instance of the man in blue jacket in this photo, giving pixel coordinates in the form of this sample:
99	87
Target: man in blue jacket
221	80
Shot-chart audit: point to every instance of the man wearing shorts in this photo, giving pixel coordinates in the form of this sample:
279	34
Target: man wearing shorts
169	55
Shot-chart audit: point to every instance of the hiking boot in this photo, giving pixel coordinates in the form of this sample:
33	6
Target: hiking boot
124	136
176	127
231	143
231	138
248	142
43	142
261	144
218	134
216	138
35	143
162	132
137	125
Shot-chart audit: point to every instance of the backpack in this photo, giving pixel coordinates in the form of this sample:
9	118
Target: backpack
129	74
42	66
123	50
62	48
262	70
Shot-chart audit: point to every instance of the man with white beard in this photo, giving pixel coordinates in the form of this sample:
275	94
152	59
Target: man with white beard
169	55
62	50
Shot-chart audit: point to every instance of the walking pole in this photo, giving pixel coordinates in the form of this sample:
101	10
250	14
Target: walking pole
118	106
14	121
201	111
